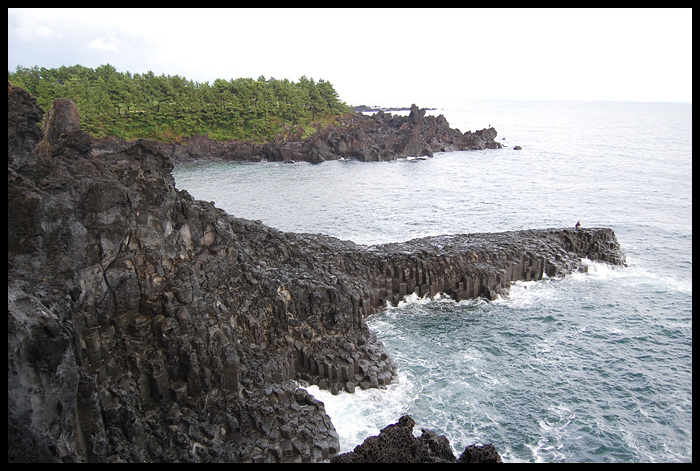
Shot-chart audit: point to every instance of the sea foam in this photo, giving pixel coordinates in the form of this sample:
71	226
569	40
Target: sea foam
365	412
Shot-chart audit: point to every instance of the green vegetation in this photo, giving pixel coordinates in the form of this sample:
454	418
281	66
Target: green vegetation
167	108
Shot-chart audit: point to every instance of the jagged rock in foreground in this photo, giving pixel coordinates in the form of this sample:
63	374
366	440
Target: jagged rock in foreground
382	136
397	444
146	326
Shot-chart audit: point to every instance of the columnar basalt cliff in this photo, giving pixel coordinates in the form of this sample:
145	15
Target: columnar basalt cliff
144	325
382	136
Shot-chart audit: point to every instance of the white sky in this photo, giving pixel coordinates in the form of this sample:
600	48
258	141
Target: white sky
381	56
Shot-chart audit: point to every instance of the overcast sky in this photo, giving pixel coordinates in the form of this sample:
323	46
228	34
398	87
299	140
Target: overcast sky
381	56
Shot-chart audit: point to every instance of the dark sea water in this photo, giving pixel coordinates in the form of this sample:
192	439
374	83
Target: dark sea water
593	367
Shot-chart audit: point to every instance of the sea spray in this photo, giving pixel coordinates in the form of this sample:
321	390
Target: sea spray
365	412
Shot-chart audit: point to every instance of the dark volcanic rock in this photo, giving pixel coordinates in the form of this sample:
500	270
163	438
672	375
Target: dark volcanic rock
146	326
479	454
397	444
22	130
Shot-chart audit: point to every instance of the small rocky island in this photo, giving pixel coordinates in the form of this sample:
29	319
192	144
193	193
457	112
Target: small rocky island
146	326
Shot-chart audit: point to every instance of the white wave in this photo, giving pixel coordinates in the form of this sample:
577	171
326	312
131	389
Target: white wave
600	270
660	281
525	294
365	412
413	298
544	452
636	275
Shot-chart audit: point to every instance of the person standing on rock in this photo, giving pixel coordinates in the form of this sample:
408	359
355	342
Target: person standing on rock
578	225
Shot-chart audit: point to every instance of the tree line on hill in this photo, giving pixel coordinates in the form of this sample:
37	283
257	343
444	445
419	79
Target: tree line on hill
167	108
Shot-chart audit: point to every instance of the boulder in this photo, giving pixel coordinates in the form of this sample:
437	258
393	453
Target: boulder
480	454
397	444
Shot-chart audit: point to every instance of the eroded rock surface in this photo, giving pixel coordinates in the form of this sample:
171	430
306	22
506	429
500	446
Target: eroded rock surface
397	444
146	326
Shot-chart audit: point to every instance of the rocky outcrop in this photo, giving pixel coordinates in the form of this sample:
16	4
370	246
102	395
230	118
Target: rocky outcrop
479	454
382	136
146	326
466	266
397	444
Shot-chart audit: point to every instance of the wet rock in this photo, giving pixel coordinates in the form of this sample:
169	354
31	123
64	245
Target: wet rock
397	444
480	454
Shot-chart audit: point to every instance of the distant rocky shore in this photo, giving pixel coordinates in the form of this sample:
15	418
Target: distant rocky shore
374	109
147	326
382	136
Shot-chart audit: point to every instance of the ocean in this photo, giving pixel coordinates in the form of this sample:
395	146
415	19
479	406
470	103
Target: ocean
593	367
